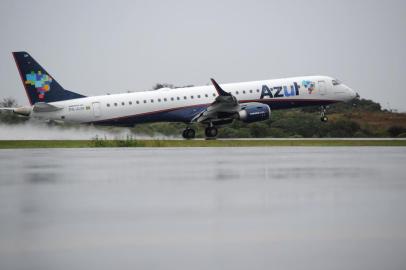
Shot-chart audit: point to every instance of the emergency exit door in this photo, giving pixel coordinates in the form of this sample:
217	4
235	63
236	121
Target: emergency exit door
96	109
322	87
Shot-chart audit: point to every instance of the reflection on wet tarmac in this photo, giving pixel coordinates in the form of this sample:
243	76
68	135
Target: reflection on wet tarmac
203	208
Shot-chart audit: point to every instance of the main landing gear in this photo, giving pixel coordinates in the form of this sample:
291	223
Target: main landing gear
323	116
189	133
211	132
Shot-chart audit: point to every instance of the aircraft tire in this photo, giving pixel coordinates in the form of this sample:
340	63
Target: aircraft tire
189	133
211	132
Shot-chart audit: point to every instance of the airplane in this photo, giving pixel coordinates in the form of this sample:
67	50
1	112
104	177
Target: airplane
211	105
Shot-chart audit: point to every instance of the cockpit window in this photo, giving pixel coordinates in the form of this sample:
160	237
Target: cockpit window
336	82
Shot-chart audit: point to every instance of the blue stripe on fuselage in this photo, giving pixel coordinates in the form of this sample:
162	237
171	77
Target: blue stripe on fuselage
186	114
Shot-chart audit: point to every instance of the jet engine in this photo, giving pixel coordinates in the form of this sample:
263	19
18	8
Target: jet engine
254	112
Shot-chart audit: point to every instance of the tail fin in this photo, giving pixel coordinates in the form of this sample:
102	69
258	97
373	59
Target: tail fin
39	85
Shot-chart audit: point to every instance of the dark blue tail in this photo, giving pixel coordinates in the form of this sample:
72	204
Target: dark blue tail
39	85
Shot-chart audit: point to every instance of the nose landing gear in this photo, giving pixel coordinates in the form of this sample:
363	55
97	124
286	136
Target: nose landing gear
323	116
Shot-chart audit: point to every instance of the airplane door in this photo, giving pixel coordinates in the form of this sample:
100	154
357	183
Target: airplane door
96	109
322	87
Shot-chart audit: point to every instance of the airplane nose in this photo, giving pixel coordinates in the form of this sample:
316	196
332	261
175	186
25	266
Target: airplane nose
353	93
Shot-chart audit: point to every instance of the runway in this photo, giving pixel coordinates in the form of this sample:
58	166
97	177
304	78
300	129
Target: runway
203	208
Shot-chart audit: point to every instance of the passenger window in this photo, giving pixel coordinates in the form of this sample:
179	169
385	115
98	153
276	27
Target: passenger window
108	105
250	91
257	90
172	98
214	94
184	97
165	99
178	98
145	101
122	103
130	102
243	92
137	102
159	100
191	97
115	104
152	101
206	95
236	92
198	96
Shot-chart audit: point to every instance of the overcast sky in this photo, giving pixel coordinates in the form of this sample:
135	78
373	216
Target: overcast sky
95	47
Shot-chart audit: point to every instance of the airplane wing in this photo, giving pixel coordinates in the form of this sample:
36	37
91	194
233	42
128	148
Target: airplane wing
222	110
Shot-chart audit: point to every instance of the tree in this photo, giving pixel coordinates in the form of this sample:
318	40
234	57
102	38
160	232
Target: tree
8	103
162	85
7	116
395	131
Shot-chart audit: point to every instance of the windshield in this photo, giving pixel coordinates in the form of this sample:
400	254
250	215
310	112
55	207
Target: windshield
336	82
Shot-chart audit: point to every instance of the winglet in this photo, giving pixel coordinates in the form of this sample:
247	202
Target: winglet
219	90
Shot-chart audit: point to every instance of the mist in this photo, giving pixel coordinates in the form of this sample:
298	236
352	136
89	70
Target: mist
33	130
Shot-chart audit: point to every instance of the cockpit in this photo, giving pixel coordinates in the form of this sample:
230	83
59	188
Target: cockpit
343	90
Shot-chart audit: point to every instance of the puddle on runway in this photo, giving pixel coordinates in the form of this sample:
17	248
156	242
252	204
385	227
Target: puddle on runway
203	208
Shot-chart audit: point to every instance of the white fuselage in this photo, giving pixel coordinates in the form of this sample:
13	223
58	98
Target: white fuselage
182	104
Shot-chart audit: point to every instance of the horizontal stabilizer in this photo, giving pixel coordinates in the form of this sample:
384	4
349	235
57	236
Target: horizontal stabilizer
7	109
20	110
45	107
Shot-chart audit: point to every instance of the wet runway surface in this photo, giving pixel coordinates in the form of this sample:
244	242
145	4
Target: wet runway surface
203	208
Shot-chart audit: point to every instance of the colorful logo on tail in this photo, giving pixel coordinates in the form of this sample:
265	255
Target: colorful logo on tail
40	81
309	85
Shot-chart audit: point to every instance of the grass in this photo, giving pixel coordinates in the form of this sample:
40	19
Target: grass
129	142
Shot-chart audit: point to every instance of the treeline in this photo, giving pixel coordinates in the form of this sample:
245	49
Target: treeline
360	118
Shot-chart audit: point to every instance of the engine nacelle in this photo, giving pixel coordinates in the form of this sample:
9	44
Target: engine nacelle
254	113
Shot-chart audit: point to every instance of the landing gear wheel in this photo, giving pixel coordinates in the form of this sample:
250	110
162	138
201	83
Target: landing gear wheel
188	133
324	119
211	132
